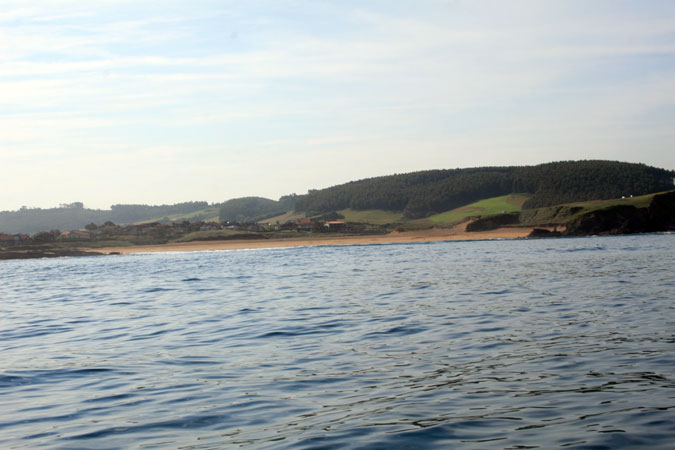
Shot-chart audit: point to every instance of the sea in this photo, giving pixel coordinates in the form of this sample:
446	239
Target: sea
504	344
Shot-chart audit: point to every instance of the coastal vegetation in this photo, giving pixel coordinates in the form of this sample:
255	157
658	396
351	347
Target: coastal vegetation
139	213
208	214
439	196
582	197
290	216
496	205
372	216
648	213
254	209
428	193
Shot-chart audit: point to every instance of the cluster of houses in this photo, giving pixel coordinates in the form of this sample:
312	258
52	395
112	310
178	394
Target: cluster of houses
170	230
13	239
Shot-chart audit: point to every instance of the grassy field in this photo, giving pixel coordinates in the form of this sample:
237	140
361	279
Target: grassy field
206	215
489	206
558	214
561	214
283	218
373	216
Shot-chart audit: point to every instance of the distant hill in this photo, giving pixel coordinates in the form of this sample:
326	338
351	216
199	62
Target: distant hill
75	216
139	213
65	217
209	214
254	209
422	194
387	199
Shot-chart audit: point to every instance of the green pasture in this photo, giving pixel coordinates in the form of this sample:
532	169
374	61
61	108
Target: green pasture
561	214
372	216
205	215
290	216
496	205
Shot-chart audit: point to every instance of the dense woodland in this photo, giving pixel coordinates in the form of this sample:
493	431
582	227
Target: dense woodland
421	194
417	194
571	181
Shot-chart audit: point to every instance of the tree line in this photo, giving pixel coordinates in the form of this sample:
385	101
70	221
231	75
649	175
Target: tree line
421	194
416	194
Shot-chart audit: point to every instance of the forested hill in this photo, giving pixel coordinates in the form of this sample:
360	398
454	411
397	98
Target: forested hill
417	194
571	181
420	194
253	209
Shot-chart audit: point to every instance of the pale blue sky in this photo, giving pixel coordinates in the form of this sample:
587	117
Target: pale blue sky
114	101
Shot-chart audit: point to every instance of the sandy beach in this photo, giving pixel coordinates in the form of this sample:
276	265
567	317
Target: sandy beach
457	233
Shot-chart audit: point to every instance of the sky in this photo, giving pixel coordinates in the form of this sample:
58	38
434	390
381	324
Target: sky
158	102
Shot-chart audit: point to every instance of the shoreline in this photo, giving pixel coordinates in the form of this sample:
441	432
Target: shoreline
456	233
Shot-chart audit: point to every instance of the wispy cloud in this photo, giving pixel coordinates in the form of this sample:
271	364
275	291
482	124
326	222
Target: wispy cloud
255	88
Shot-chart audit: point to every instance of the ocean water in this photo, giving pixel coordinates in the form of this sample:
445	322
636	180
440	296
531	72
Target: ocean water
494	344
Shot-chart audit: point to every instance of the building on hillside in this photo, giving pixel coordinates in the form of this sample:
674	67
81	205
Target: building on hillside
14	239
335	225
304	224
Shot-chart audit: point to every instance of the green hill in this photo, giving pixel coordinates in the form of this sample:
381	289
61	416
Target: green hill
496	205
428	193
201	215
646	213
289	216
567	212
372	216
254	209
426	198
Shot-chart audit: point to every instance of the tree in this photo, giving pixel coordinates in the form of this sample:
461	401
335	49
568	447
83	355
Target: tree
318	226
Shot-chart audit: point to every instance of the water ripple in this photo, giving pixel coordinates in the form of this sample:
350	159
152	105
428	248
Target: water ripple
509	344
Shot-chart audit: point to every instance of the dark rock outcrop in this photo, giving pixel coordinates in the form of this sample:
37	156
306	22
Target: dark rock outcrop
493	222
45	253
627	219
661	212
543	233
